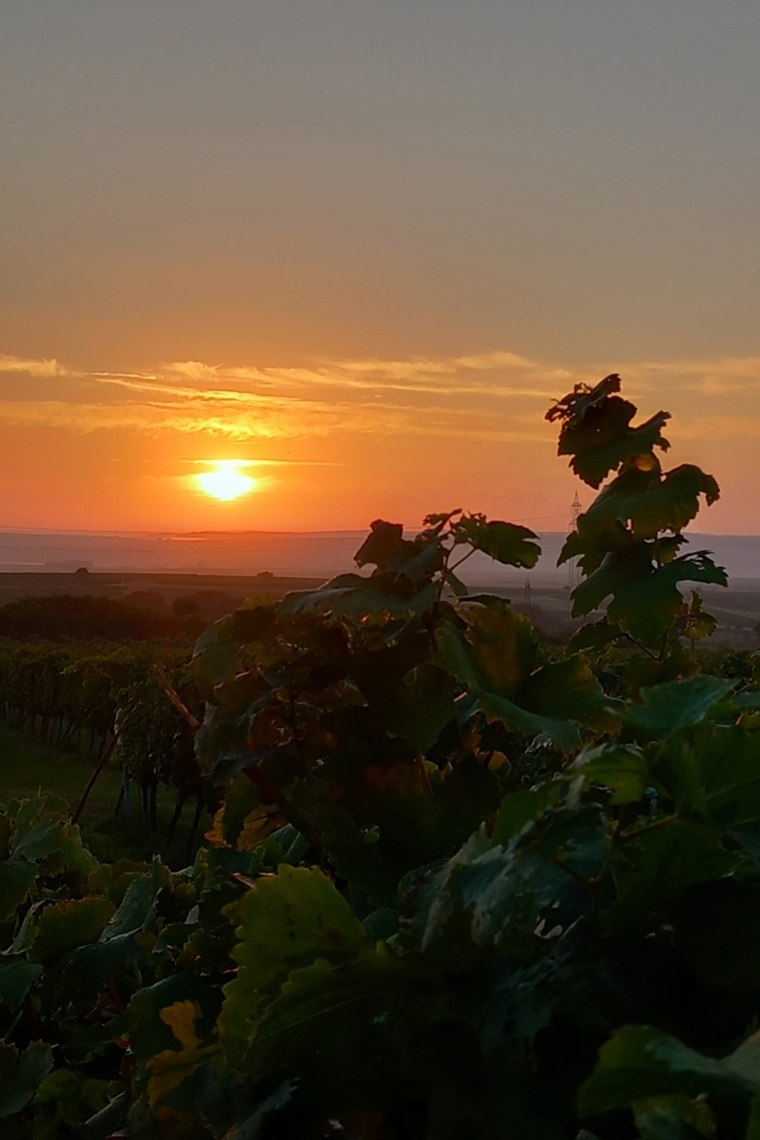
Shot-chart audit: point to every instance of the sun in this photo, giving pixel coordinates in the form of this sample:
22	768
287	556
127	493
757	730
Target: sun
225	481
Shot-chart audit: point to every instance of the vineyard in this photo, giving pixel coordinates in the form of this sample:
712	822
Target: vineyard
459	882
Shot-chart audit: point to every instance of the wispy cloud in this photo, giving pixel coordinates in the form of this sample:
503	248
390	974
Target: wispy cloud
29	366
494	395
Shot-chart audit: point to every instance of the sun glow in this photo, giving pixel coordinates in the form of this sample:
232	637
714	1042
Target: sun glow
225	481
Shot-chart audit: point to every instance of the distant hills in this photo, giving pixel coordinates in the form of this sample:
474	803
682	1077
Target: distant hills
316	554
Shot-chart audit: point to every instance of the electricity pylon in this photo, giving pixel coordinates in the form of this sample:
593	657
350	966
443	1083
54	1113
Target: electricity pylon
573	567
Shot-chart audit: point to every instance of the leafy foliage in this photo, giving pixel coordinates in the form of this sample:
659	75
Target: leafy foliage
628	540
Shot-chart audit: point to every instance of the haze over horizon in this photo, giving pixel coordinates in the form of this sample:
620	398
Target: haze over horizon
354	251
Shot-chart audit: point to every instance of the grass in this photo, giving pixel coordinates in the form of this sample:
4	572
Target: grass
29	767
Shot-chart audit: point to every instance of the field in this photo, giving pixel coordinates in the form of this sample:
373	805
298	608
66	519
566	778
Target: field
30	768
547	603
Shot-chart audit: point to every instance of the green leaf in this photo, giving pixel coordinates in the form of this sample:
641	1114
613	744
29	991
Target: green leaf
714	773
137	906
384	543
665	709
67	925
596	430
519	809
673	1118
696	622
216	654
324	1006
252	1128
456	585
21	1074
501	648
639	1062
148	1034
16	979
567	689
16	877
552	700
353	596
504	542
53	837
492	896
419	708
646	601
654	868
650	501
562	734
594	635
95	966
495	659
285	921
172	1067
621	767
753	1124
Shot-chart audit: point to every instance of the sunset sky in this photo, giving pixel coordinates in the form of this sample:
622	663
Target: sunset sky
358	247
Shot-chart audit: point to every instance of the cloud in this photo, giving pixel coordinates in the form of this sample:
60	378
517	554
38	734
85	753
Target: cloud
490	396
28	365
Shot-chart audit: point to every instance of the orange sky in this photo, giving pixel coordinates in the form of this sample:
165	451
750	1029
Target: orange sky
361	247
336	444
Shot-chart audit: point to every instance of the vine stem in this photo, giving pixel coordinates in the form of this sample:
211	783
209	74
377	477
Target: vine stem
176	699
464	558
658	824
101	765
643	648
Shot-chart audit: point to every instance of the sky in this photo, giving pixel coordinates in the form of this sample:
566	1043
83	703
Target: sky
358	247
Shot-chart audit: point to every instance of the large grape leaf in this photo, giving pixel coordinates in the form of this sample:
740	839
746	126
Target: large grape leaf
568	690
21	1073
504	542
674	1117
654	868
150	1035
170	1068
675	705
650	501
48	834
519	809
646	600
714	775
493	896
596	430
594	635
16	978
326	1007
415	561
419	708
494	659
623	768
16	877
500	647
562	733
639	1061
217	651
591	544
354	596
284	922
67	925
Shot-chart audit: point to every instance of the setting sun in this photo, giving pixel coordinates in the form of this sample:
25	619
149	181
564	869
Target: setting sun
225	481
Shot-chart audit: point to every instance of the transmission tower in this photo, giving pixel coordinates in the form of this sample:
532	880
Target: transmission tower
573	568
